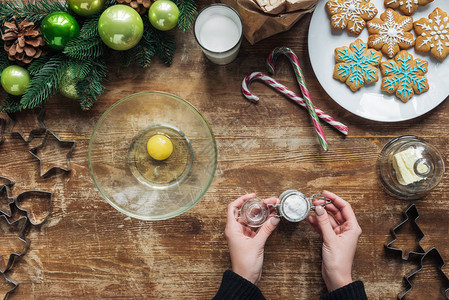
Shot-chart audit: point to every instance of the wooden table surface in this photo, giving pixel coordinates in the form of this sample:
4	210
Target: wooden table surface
88	250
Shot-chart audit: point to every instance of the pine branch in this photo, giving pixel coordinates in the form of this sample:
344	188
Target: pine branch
162	43
91	88
38	64
45	82
34	11
187	13
4	61
84	49
89	29
10	104
79	69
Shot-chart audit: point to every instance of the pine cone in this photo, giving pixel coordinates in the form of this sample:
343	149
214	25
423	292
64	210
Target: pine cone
23	41
141	6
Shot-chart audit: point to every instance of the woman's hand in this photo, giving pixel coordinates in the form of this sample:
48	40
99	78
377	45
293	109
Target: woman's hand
246	244
340	232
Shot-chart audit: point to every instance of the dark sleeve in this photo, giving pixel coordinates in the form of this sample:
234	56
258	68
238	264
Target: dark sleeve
352	291
235	287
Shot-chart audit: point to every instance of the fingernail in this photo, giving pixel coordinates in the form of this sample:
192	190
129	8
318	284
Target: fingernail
275	221
319	210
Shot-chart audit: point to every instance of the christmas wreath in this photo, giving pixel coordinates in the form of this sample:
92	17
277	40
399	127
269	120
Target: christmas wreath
52	46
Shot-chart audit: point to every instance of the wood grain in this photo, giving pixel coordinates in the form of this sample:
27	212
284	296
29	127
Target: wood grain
88	250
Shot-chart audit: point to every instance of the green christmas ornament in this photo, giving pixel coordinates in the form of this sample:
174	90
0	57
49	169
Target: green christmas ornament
86	8
58	28
120	27
15	80
163	15
67	86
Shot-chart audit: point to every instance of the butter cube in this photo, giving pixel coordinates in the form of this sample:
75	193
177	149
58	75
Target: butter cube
403	163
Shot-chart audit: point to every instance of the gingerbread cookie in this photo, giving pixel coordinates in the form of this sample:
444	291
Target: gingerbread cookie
351	14
390	33
407	7
356	65
404	75
433	34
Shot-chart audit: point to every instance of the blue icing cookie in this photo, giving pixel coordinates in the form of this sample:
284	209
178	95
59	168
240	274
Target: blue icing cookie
356	65
404	75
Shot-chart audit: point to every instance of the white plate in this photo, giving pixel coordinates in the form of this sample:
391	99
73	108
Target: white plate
369	101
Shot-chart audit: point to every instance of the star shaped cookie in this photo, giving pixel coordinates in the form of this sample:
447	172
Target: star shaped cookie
433	34
356	65
390	33
407	7
350	14
404	75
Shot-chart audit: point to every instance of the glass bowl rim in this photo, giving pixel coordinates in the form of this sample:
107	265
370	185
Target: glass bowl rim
168	215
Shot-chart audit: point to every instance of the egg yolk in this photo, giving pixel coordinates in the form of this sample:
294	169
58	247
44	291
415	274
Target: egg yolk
159	147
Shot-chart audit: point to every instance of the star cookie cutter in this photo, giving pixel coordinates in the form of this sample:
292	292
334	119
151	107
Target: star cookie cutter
432	252
411	214
4	194
35	150
2	130
26	243
13	282
30	216
33	132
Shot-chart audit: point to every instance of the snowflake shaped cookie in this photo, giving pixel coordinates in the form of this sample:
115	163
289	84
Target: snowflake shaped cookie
356	65
433	34
351	14
404	75
390	33
407	7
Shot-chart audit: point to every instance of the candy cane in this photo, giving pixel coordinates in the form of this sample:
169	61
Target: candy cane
281	88
271	59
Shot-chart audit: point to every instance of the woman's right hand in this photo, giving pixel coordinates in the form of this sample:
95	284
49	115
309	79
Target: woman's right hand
340	232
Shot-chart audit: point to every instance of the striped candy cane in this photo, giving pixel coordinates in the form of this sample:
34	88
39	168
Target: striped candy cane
281	88
271	59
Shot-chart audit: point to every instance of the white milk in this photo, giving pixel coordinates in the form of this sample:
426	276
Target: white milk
218	29
219	34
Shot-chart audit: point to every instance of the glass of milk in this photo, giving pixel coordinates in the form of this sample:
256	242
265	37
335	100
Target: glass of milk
218	29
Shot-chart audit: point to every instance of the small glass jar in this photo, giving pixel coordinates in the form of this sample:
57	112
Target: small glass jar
294	206
409	167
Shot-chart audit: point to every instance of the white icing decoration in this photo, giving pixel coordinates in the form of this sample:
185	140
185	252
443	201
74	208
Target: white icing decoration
387	27
438	34
351	10
408	4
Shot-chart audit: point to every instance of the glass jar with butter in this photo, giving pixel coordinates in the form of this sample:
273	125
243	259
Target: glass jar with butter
409	167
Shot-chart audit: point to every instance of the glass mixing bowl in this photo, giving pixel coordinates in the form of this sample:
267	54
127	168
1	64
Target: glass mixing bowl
426	163
133	182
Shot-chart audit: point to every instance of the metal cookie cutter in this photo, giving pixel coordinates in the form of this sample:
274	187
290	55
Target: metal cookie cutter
4	195
437	256
5	181
34	152
11	281
26	242
30	215
411	214
34	131
294	206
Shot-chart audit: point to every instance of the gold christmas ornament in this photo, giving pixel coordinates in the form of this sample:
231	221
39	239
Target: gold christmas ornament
23	41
